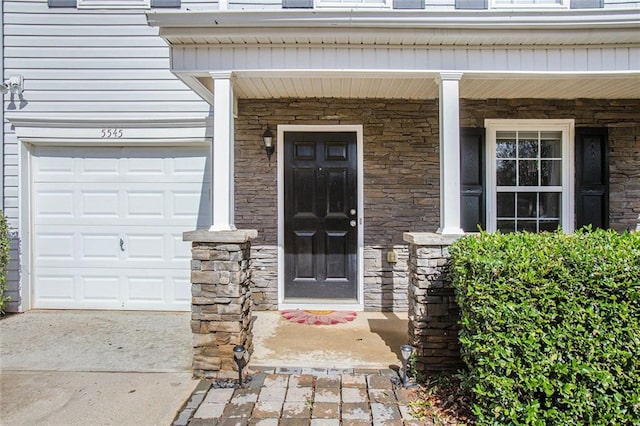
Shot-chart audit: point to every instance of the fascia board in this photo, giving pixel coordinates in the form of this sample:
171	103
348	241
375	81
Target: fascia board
331	19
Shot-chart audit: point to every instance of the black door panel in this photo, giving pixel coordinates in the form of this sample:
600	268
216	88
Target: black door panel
320	192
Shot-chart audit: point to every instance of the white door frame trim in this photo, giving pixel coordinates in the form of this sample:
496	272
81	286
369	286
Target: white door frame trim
358	130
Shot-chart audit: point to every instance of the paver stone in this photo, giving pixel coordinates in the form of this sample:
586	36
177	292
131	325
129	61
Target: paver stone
325	410
385	411
355	411
209	411
296	410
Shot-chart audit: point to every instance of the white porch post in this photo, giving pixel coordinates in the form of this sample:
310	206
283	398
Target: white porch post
222	203
449	153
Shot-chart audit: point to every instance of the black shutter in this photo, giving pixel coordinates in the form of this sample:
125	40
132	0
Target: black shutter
472	179
586	4
62	3
472	4
592	177
297	4
408	4
165	3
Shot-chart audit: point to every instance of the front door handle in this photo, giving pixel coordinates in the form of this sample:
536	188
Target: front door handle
121	245
353	223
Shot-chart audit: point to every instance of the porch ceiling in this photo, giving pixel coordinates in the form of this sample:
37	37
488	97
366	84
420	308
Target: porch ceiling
253	86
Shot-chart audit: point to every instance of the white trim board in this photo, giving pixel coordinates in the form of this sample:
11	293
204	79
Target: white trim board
322	304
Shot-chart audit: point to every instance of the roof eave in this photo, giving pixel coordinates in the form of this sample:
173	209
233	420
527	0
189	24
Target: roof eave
596	19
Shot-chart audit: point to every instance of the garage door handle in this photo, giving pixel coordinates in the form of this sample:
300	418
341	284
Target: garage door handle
121	245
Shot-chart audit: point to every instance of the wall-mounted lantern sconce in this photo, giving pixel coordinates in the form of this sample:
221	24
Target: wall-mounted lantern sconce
15	85
267	140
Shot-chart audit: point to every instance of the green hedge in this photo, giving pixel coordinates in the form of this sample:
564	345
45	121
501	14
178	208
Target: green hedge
4	259
551	326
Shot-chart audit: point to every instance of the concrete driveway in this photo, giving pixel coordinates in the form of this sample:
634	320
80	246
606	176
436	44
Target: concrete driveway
94	367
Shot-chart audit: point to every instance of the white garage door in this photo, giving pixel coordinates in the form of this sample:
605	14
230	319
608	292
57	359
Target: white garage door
108	223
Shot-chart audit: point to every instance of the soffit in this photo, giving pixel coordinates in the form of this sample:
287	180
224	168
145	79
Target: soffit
471	87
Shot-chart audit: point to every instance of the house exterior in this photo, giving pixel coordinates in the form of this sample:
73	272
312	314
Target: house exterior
140	120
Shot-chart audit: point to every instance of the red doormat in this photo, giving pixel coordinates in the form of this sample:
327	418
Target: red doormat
313	317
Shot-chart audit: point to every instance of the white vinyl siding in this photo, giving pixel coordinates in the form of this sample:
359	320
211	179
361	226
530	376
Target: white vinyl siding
113	4
98	64
541	4
353	3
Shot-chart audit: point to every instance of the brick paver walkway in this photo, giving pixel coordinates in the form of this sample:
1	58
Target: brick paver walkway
313	397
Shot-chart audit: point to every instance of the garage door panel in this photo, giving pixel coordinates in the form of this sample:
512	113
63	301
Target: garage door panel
108	225
98	167
68	247
99	289
53	288
150	248
146	289
102	247
55	246
188	167
94	204
181	250
181	290
56	168
100	204
145	204
55	204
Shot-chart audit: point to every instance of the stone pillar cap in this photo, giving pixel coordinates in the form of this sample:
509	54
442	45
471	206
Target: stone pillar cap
234	237
430	238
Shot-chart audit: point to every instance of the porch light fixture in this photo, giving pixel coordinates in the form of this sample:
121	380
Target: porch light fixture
406	351
267	140
238	354
15	85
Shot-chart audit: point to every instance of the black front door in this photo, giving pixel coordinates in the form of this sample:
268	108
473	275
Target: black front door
320	215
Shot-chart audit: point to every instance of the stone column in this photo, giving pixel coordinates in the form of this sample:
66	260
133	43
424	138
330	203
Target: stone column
433	312
221	298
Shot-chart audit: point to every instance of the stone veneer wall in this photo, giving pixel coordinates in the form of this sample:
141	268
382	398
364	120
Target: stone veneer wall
433	312
401	170
264	291
385	283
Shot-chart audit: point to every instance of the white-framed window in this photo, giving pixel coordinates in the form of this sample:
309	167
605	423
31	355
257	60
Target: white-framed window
114	4
353	3
530	175
529	4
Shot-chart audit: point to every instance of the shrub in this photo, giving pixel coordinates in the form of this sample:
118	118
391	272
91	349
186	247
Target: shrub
4	259
550	326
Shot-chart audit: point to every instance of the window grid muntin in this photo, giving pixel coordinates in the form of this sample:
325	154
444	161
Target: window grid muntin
562	150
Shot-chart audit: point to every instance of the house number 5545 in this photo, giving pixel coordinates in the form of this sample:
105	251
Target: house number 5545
111	133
